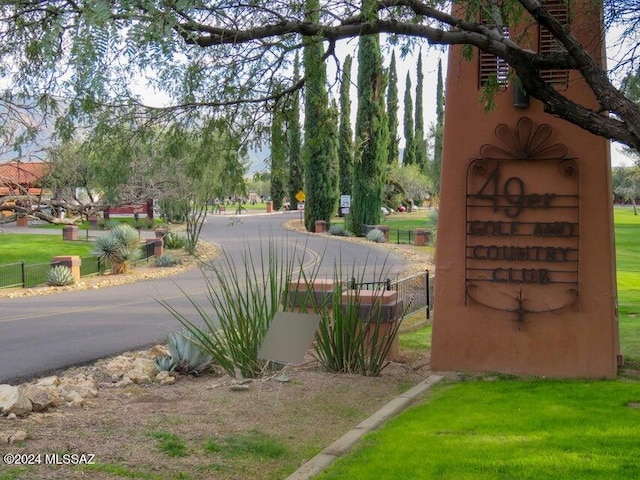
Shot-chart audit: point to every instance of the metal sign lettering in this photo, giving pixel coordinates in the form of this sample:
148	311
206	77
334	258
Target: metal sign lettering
522	223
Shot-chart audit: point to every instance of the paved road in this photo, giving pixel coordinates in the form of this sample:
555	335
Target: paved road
43	334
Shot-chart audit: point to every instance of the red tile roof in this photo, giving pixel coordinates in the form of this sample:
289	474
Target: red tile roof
22	173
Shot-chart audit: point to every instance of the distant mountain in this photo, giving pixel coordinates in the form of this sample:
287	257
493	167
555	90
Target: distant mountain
259	160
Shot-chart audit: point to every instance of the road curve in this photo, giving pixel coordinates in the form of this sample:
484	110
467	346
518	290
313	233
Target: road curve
44	334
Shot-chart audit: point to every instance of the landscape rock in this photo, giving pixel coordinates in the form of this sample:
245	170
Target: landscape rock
12	400
75	399
139	377
119	365
52	381
84	385
145	366
126	381
41	398
19	436
165	378
159	351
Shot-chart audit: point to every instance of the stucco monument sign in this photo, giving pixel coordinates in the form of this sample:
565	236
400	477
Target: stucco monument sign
525	256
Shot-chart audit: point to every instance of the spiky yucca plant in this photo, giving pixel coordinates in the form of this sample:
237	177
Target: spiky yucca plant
60	276
120	248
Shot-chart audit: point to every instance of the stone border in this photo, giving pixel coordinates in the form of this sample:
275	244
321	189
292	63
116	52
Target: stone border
345	443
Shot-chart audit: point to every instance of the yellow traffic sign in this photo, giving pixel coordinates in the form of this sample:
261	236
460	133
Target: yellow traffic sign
300	196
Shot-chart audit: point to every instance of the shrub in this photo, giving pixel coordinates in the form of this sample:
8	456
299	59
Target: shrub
173	241
339	230
166	260
60	276
376	235
120	248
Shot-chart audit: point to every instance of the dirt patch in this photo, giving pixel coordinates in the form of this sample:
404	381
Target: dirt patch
214	431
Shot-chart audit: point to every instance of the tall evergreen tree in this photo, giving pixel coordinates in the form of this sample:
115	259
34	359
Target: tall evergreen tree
409	155
320	131
345	145
419	136
372	130
392	112
278	158
439	129
296	177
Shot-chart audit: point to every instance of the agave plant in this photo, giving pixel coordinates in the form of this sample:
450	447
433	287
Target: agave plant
120	248
60	276
185	355
166	260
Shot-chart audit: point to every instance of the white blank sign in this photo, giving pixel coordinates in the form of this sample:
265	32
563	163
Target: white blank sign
289	337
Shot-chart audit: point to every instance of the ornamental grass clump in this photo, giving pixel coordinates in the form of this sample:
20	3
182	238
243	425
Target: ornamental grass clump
242	299
350	340
120	248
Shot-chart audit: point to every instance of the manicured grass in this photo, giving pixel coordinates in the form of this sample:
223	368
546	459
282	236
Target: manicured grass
38	248
406	220
627	228
143	223
418	340
537	429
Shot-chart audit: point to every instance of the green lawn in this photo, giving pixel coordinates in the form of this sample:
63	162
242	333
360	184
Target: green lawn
508	429
628	271
38	248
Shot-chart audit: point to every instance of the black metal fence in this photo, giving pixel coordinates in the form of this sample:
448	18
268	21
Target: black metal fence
402	236
21	274
416	292
396	235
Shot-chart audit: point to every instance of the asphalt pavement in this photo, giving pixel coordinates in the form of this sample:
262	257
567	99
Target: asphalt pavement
44	334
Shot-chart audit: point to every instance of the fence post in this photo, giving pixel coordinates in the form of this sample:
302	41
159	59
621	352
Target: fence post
24	280
428	296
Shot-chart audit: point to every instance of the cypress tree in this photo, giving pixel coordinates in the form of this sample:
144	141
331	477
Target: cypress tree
372	129
296	178
419	136
437	150
320	132
392	112
345	145
278	158
409	155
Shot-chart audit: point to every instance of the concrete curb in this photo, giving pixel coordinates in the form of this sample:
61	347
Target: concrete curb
341	446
